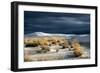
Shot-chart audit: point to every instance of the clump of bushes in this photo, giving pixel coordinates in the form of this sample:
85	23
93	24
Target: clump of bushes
32	44
77	48
44	48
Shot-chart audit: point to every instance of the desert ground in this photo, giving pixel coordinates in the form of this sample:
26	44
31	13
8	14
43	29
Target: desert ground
56	51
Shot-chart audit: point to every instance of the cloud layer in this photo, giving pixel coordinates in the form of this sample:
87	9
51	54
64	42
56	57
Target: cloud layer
67	23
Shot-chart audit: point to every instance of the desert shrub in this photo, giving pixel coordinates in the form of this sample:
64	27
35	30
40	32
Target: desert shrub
39	51
45	48
29	45
35	43
77	52
32	44
77	49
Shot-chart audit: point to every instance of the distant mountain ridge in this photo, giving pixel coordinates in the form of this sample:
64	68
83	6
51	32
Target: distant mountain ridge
45	34
82	37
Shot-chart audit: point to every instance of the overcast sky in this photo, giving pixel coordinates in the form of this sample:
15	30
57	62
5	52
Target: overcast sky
65	23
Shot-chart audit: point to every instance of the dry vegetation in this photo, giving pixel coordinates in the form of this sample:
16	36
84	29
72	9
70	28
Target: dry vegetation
77	48
46	42
43	45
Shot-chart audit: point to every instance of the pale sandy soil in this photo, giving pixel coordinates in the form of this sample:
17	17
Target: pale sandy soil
60	55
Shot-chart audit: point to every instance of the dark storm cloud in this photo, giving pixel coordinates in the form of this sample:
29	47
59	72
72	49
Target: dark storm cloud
70	23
